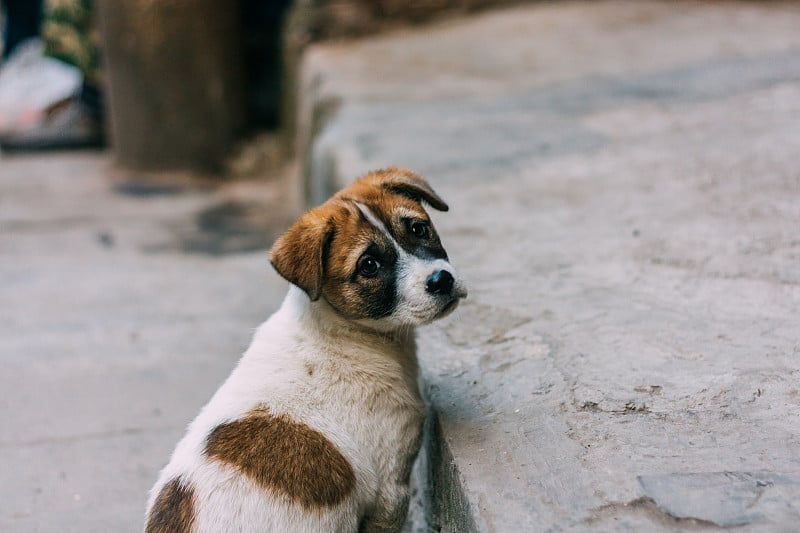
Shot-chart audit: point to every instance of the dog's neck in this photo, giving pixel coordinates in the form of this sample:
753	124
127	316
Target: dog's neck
323	317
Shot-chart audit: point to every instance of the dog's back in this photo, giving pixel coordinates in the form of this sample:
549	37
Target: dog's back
285	444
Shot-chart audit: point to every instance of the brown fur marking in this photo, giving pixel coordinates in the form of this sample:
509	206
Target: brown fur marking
400	181
284	456
298	255
319	252
173	510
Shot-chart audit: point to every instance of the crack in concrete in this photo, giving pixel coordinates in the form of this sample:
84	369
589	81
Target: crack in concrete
630	408
648	507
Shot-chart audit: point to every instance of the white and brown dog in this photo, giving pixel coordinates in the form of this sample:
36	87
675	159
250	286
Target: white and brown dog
317	427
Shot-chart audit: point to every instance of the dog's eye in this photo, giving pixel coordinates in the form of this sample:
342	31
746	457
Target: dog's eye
419	229
368	266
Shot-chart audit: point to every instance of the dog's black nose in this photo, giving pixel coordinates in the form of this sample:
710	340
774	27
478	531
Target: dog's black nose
440	282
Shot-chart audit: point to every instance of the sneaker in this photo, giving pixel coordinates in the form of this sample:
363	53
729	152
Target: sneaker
30	83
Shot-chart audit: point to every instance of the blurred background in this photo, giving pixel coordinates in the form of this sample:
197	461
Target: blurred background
147	163
625	201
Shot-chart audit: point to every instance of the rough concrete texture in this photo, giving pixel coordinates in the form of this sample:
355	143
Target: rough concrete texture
625	202
124	306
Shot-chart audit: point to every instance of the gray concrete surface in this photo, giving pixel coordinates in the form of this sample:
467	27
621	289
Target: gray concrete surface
123	308
625	195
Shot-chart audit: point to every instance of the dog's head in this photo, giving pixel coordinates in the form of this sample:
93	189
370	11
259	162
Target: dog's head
372	253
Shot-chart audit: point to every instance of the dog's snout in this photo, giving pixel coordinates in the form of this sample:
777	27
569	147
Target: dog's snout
440	282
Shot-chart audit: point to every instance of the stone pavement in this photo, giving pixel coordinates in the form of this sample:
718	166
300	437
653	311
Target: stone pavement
625	202
123	309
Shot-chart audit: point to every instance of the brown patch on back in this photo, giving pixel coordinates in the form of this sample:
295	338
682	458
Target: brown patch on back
284	456
173	510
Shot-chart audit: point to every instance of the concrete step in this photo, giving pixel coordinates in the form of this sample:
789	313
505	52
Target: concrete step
625	203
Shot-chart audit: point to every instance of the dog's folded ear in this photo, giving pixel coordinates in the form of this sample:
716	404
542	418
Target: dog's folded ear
410	184
299	254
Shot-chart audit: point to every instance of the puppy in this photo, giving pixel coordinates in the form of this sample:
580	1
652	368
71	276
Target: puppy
318	426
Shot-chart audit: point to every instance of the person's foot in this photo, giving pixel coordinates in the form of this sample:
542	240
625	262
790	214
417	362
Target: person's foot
67	125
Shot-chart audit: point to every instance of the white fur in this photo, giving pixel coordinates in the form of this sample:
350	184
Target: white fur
363	396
